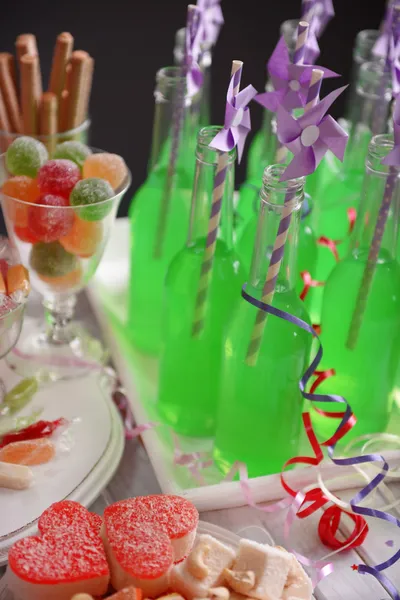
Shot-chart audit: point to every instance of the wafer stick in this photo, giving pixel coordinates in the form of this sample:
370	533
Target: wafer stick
61	56
9	92
4	125
26	44
30	93
48	119
87	89
63	111
79	64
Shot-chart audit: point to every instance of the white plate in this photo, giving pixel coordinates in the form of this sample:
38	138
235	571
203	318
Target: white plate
108	295
88	454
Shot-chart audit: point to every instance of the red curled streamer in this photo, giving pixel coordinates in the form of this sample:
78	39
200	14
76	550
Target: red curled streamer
333	244
309	282
329	524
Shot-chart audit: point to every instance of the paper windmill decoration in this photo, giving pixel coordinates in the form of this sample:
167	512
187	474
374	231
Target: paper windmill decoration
317	13
237	120
291	82
194	34
393	158
311	136
213	20
323	13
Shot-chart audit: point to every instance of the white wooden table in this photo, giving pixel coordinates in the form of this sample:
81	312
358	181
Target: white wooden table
135	477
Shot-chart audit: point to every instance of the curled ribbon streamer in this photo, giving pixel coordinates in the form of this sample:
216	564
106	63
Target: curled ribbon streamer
347	422
308	282
333	244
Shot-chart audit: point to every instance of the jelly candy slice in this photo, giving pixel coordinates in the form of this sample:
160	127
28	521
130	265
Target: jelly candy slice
15	477
110	167
25	156
29	452
58	176
22	188
51	260
72	150
18	286
83	238
50	218
91	194
20	395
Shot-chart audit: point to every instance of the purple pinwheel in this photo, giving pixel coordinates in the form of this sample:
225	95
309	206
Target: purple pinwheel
291	82
213	20
311	136
393	158
323	13
237	120
194	35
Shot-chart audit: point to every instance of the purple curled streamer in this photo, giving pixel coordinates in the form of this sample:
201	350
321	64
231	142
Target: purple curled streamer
354	460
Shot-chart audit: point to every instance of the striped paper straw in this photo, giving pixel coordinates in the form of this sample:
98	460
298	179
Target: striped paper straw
368	276
298	58
213	224
177	126
302	35
279	246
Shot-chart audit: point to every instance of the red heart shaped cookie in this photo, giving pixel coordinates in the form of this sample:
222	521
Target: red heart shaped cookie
143	538
66	559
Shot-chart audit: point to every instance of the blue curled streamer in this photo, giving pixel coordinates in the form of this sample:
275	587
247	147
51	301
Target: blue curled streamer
368	458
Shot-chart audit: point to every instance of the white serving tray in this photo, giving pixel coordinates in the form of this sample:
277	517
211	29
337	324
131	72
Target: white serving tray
87	456
107	294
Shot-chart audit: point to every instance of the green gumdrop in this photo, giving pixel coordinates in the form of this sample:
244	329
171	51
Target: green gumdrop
91	192
52	260
72	150
25	156
19	396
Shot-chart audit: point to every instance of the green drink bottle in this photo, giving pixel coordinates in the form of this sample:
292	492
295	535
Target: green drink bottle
340	191
190	364
260	405
205	64
364	375
149	259
331	166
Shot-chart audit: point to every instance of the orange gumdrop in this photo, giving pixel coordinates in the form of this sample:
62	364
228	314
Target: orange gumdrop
110	167
18	280
84	237
28	452
22	188
63	282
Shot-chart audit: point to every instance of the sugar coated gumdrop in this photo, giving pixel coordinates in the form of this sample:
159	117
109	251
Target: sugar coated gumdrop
58	176
50	217
25	235
23	188
110	167
25	156
83	238
29	452
64	282
88	193
51	260
72	150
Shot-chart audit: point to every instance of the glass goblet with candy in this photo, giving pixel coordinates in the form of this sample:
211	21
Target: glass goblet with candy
60	221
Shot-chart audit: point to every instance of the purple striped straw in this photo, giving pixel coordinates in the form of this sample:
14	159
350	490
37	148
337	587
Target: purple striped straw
177	126
280	241
302	35
213	224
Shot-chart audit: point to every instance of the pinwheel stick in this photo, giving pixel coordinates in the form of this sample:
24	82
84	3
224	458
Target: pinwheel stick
280	241
177	126
213	224
369	271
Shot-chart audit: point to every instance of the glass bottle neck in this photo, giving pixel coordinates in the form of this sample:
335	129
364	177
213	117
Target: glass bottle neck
377	178
372	93
273	196
206	166
170	89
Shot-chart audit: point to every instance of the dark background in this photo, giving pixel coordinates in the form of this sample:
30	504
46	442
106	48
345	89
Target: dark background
131	39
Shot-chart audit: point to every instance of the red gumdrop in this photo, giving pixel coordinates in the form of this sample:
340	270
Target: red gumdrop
52	219
4	268
58	177
25	235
